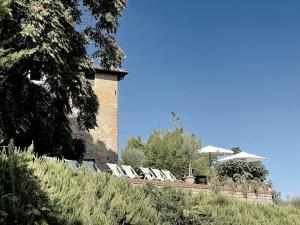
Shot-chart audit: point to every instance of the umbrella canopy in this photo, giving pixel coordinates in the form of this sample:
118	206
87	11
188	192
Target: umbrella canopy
213	150
243	156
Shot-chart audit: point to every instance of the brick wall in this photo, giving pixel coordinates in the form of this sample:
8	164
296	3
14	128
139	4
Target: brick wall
106	88
259	197
102	143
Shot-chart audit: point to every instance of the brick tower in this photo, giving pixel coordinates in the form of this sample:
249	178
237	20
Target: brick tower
102	143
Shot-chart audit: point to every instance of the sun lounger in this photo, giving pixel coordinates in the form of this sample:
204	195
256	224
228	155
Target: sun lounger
130	171
116	170
169	175
91	166
159	175
72	163
148	173
48	158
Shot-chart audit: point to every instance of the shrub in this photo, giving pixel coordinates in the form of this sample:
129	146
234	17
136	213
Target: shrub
237	169
227	211
94	199
180	208
174	207
38	191
22	201
294	201
35	191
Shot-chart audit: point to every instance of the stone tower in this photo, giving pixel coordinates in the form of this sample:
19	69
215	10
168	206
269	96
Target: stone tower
103	141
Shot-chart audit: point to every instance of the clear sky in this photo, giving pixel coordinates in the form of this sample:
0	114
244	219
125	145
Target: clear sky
230	69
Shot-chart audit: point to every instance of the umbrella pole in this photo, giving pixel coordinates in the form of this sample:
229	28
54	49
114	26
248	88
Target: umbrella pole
209	155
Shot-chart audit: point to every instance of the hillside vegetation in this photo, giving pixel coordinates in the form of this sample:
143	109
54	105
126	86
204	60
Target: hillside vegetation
38	191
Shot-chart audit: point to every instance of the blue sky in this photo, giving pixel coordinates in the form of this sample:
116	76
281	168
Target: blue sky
230	69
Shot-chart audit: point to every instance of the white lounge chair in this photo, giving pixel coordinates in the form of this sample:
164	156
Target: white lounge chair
72	163
169	175
48	158
148	173
91	166
116	170
159	174
130	171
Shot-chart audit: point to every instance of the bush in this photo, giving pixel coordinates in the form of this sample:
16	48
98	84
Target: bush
237	169
228	211
181	208
22	201
94	199
174	207
294	201
38	191
35	191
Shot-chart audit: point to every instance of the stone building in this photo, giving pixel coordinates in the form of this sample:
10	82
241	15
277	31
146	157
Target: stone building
102	143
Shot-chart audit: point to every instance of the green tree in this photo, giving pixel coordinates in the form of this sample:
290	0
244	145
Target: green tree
164	151
133	157
189	146
133	154
38	39
201	166
172	150
134	142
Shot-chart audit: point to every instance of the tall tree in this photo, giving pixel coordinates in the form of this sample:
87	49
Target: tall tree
38	39
172	150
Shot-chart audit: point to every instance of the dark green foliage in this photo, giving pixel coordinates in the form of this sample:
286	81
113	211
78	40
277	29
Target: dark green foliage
79	148
106	14
169	203
4	10
164	151
94	199
226	211
172	150
22	201
174	207
236	169
38	39
276	196
35	191
201	167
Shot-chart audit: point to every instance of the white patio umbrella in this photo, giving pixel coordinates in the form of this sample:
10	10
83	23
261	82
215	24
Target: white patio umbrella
243	156
213	151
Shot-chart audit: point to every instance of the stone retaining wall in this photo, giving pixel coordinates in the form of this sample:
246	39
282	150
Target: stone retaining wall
259	197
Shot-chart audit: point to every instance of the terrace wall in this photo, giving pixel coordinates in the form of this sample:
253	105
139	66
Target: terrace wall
259	197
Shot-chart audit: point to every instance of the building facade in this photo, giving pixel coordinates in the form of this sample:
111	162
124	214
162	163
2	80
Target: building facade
102	143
